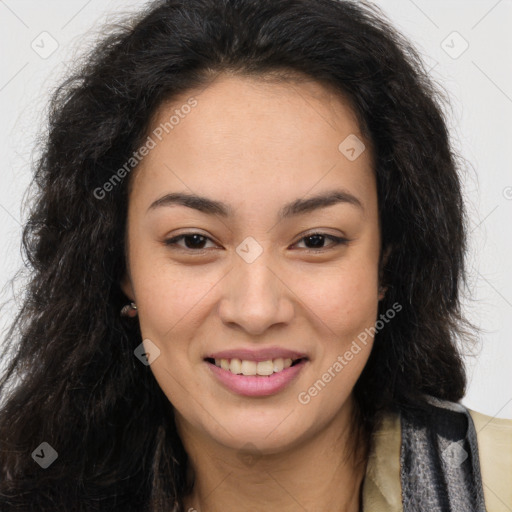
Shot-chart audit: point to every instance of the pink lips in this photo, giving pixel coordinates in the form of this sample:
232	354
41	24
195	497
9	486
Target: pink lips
257	385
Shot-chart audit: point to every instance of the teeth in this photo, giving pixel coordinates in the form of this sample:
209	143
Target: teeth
249	367
278	364
235	366
265	367
245	367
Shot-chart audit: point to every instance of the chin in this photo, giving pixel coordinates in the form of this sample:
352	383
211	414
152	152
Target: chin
264	433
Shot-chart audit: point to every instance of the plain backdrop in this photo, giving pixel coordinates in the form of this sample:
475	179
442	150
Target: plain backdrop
466	45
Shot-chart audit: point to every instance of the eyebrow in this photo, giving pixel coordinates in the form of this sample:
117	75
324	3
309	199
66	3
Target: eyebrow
297	207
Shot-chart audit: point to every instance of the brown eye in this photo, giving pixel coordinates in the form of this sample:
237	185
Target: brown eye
316	241
193	241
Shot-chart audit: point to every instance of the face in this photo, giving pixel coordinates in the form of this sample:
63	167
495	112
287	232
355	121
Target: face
268	275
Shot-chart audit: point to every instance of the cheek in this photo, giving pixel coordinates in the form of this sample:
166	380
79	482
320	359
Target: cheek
169	293
346	305
171	300
345	299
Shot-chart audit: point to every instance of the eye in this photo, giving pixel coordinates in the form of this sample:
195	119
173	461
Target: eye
317	240
195	242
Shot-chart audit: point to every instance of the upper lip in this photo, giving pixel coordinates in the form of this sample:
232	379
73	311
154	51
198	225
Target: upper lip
263	354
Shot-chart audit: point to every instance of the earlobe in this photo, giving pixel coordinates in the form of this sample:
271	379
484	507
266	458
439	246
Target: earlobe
382	292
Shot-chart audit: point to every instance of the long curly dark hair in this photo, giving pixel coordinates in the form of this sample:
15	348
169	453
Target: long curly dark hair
71	378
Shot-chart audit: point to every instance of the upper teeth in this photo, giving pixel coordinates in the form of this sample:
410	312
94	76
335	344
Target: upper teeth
244	367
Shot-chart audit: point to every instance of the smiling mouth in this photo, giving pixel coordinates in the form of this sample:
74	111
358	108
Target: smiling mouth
253	368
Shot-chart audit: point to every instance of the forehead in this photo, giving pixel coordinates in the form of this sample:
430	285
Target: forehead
247	136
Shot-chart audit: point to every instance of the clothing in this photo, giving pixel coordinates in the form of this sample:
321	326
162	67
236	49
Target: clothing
443	458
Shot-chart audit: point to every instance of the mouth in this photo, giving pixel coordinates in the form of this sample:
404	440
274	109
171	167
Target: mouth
253	368
261	378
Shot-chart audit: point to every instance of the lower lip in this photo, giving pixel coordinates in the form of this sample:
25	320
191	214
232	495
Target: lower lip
254	385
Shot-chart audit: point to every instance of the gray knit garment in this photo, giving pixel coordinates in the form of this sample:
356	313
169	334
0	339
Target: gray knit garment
439	464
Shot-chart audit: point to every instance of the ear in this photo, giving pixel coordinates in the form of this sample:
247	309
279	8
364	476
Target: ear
126	287
382	264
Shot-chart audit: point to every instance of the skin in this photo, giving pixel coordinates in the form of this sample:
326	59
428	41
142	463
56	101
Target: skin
257	145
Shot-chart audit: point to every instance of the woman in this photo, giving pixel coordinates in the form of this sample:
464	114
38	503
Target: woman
247	249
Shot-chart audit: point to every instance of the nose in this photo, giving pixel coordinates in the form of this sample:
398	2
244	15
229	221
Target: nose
255	296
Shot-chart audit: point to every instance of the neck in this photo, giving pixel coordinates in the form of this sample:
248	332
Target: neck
319	474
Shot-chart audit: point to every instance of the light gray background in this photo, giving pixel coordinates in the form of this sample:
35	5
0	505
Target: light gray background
479	82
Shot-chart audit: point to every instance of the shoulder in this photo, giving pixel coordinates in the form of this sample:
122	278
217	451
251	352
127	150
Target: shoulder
477	446
484	442
468	447
494	437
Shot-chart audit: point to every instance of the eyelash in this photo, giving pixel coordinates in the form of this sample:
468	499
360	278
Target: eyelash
336	239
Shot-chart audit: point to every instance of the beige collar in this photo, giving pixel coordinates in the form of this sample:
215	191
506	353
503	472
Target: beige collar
381	486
